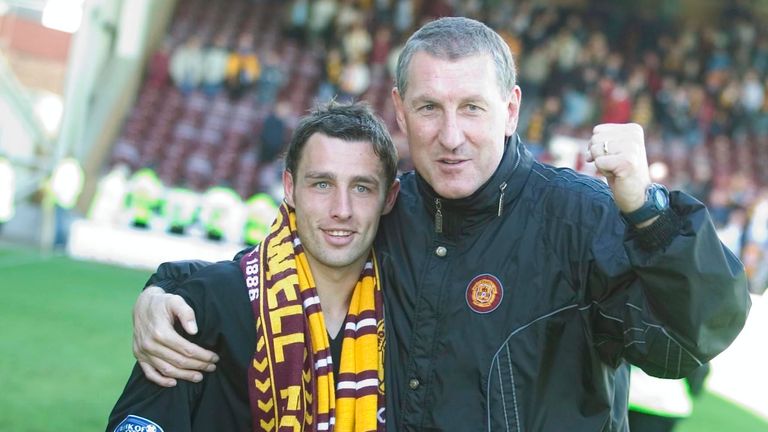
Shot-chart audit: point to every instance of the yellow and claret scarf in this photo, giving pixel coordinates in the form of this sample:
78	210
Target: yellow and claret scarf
290	380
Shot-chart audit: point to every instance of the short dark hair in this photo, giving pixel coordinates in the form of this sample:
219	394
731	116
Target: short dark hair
349	122
453	38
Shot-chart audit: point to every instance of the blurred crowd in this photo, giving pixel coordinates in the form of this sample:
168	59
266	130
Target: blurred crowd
699	90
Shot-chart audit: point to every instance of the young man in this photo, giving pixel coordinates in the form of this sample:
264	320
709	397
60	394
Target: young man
307	300
517	292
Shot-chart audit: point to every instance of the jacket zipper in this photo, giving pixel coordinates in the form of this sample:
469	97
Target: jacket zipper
501	197
439	208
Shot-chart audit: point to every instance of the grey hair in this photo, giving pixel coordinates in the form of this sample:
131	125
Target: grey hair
453	38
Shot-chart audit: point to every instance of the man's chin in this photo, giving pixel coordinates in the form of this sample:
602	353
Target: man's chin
339	262
449	190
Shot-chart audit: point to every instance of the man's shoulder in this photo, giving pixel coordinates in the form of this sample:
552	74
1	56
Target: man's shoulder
215	292
566	195
222	268
221	275
561	182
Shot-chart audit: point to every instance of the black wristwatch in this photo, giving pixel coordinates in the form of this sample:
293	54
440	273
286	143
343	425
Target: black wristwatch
656	202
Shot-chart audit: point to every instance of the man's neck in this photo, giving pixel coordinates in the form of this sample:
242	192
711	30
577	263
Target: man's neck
334	288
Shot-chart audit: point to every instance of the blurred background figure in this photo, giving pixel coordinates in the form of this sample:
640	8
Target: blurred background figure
7	191
159	64
187	65
274	133
243	67
215	61
271	79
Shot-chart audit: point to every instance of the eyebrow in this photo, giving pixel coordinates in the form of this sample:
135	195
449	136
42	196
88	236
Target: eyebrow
319	175
422	98
372	180
425	98
324	175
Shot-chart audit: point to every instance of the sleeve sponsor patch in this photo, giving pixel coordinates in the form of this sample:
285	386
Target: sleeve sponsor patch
134	423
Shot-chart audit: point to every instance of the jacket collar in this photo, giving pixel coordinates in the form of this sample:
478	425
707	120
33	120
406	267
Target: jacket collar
510	176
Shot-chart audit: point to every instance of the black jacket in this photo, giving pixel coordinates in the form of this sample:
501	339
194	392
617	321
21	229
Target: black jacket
521	316
579	294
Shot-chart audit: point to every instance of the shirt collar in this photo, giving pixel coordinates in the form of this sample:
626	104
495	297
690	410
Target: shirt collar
512	172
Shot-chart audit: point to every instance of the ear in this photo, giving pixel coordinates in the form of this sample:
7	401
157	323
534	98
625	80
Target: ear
391	197
513	111
399	109
288	188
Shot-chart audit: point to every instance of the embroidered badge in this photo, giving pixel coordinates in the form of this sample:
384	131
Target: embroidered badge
134	423
484	293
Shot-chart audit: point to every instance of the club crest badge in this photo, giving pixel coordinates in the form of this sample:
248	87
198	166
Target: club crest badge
484	293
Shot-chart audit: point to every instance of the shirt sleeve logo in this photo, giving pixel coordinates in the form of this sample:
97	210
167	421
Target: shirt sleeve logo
134	423
484	293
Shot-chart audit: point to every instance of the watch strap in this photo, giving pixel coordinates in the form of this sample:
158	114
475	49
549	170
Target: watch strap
649	208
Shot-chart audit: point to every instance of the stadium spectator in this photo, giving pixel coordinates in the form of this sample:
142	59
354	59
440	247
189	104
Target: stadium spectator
159	64
187	65
357	41
355	79
298	18
243	67
329	86
215	58
403	16
320	20
382	44
273	133
348	15
271	79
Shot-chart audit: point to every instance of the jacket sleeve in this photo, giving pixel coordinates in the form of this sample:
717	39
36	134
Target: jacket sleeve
170	409
670	297
169	275
144	403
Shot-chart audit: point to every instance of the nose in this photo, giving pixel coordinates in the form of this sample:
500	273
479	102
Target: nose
342	205
451	136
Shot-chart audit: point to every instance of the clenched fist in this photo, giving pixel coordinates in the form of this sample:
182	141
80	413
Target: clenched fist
618	151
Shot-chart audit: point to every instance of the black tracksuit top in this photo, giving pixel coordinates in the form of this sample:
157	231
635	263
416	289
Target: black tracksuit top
578	294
